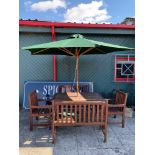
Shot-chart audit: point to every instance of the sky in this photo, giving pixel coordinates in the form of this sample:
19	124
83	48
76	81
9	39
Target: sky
86	11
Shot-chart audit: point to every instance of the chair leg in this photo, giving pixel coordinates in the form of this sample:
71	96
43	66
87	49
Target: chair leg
53	134
31	123
105	138
104	130
50	123
123	119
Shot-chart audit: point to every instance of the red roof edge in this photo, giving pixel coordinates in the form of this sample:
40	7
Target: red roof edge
74	25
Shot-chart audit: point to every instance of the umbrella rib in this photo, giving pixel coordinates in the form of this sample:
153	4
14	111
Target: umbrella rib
67	51
63	49
86	51
99	50
40	51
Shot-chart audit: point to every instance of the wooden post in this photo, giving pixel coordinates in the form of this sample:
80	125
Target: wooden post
54	56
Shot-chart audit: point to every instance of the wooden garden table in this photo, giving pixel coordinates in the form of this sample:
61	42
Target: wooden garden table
81	97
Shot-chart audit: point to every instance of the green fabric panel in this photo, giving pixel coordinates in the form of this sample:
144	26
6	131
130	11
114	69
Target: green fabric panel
77	42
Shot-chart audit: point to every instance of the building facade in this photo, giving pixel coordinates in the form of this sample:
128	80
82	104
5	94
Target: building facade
108	72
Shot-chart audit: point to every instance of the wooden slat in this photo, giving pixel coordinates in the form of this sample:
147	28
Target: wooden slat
45	107
80	123
62	110
40	114
88	113
75	113
66	113
42	124
117	105
114	113
80	113
71	113
57	109
84	118
93	113
97	112
119	122
102	111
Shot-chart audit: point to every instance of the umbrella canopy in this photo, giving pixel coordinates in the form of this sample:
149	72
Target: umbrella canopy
67	47
76	46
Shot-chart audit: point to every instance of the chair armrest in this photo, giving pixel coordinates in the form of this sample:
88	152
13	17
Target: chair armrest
40	100
111	101
116	105
43	107
44	100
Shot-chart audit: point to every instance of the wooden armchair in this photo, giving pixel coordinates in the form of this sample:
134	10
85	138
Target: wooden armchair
37	110
118	107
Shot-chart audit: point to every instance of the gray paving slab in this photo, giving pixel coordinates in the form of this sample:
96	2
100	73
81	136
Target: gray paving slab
130	150
64	152
121	131
127	140
95	151
86	140
131	125
112	142
66	142
116	151
27	142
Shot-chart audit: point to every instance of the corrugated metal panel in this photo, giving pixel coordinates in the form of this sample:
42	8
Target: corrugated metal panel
77	30
95	31
34	29
99	69
33	67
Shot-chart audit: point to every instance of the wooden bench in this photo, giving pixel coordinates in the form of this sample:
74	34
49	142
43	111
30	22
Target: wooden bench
79	113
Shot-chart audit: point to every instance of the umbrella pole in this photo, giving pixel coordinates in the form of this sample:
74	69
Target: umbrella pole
77	61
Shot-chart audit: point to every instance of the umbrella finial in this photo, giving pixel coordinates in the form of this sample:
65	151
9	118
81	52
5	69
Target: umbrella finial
77	36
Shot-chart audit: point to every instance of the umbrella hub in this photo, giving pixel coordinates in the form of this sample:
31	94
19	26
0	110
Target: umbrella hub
77	36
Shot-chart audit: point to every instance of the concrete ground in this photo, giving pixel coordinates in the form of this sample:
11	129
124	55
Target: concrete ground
86	140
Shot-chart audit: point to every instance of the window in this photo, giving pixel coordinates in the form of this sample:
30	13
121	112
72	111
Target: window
125	68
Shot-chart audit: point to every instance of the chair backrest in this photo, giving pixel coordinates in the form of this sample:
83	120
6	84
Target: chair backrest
33	98
121	97
80	112
64	88
83	88
69	88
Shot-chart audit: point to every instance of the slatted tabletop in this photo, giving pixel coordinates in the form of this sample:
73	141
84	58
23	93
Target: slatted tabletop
80	97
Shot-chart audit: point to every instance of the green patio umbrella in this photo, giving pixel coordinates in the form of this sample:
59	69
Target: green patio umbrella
76	46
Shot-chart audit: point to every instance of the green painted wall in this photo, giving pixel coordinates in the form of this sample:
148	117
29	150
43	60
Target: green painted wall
96	68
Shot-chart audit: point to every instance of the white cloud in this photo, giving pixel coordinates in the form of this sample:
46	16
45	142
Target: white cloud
48	5
90	12
27	3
